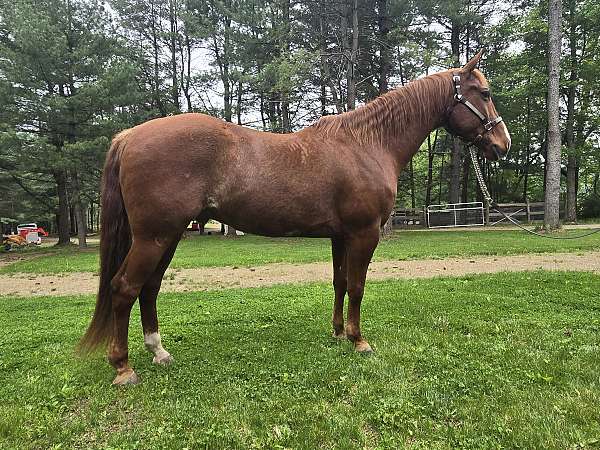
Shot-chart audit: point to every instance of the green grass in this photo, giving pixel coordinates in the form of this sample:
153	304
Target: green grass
494	361
206	251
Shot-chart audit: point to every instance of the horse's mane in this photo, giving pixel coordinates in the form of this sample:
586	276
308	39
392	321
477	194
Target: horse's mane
388	115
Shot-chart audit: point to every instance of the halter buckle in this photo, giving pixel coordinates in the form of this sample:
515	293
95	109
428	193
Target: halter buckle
457	94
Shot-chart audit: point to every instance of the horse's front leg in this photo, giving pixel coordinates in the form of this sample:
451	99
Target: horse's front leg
338	252
148	311
360	248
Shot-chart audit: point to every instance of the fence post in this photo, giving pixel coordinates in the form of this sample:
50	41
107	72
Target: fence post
487	213
528	211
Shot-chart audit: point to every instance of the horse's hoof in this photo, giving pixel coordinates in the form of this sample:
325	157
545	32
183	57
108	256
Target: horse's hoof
163	360
341	335
125	378
363	348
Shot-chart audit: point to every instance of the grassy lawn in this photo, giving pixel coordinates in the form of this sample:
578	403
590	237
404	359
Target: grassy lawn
509	360
203	251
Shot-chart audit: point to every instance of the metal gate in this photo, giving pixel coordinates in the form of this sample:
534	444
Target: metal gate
455	215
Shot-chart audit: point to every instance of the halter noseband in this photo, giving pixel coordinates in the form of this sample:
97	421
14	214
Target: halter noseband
487	123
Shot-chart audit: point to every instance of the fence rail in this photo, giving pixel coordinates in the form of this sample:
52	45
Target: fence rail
420	217
528	211
406	217
452	215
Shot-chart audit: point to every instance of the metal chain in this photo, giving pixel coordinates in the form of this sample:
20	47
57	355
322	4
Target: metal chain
480	180
494	205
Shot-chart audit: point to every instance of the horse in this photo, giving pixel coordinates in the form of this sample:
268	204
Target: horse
334	179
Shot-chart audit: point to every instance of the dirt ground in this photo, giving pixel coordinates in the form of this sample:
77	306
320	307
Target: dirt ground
211	278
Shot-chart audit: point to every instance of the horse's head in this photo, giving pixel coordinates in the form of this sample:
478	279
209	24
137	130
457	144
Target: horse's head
473	116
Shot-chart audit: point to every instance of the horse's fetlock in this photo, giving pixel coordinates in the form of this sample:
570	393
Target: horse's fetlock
353	333
118	359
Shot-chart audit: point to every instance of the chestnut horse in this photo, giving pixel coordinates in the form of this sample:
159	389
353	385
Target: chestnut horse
336	179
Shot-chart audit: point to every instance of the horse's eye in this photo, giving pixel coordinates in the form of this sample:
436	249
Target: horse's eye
486	95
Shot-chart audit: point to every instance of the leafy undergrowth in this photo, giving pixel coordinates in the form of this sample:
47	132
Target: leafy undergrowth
509	360
214	251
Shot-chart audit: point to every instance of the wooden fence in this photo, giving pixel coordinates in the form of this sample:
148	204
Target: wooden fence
408	218
523	212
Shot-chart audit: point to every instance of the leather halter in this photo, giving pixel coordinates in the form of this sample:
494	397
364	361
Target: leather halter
487	123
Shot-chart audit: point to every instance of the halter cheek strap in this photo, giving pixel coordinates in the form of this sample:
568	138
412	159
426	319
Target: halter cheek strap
487	123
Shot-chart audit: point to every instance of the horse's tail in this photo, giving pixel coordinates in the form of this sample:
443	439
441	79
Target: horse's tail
115	241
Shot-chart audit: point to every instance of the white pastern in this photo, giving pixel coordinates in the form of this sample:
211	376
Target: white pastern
153	344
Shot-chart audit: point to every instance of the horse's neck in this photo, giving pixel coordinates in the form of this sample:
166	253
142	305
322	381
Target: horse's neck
400	120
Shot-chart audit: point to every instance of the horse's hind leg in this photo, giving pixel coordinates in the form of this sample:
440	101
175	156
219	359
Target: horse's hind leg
141	262
148	297
338	251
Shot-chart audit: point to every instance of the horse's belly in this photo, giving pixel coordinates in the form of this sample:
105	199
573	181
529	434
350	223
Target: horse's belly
279	222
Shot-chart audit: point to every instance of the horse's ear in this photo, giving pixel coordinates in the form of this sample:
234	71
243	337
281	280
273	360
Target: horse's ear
473	62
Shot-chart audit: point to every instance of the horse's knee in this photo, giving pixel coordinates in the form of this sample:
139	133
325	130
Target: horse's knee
339	283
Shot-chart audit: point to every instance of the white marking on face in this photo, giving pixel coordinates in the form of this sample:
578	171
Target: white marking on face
507	134
153	344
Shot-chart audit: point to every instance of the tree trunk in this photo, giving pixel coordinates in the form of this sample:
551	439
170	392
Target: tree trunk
79	211
63	208
383	20
465	180
430	154
552	187
238	104
413	200
285	47
155	49
225	72
455	157
572	175
351	56
186	63
173	49
455	163
323	72
572	164
528	149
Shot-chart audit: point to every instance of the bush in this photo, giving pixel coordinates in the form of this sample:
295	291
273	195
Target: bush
589	207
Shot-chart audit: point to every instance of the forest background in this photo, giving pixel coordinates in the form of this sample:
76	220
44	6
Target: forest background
75	72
